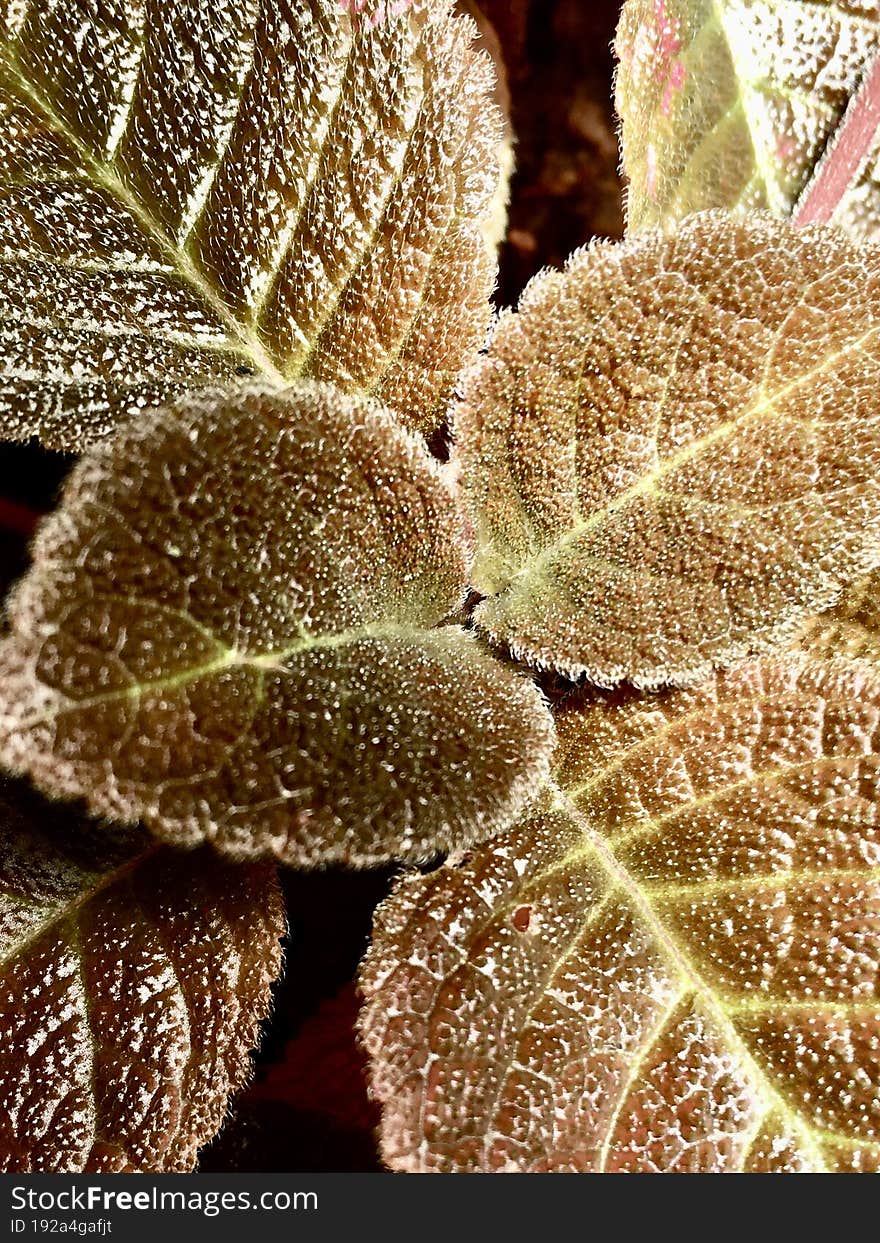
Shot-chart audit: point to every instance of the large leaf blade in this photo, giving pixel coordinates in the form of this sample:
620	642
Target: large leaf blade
669	453
669	964
234	630
134	985
201	191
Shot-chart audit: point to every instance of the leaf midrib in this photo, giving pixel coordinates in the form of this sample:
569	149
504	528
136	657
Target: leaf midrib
756	137
68	909
747	88
764	403
229	659
105	175
680	963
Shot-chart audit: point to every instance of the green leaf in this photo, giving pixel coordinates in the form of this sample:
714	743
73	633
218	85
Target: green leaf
670	454
731	103
230	632
194	191
132	987
670	963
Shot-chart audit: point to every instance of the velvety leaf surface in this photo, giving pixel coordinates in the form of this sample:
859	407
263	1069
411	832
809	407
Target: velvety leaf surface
495	222
307	1107
670	963
670	454
132	986
230	632
851	628
731	103
510	19
194	190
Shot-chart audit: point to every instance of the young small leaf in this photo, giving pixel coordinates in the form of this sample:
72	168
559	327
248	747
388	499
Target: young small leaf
671	452
133	986
728	103
229	633
670	964
195	190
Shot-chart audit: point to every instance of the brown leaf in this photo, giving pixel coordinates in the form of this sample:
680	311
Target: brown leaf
134	982
732	104
194	191
233	631
852	628
670	964
670	454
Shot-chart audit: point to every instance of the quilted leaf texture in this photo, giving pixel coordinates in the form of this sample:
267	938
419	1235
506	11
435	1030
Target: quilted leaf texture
670	454
193	191
132	986
733	103
670	963
852	627
233	630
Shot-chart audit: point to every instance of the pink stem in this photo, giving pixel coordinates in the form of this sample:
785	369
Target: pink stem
845	154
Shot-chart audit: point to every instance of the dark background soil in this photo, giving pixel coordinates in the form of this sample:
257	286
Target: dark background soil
307	1107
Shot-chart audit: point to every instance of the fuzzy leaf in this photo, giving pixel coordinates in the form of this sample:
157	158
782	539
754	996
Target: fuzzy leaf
495	220
229	632
133	986
670	964
852	627
671	452
193	191
731	103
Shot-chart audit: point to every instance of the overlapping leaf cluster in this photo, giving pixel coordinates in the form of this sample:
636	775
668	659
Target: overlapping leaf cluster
246	269
243	625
